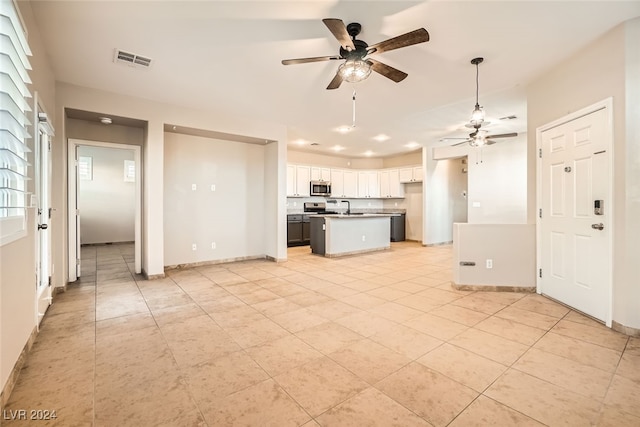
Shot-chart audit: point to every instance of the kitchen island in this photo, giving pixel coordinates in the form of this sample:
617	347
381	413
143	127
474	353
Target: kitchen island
334	235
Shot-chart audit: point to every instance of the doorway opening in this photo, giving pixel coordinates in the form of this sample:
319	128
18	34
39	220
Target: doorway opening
105	199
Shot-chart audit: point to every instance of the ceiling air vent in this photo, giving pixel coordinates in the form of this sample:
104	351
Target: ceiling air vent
131	59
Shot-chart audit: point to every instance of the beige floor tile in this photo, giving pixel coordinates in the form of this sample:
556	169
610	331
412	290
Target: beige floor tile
261	295
165	316
436	398
337	291
465	367
263	404
237	316
366	323
506	298
541	305
329	337
612	417
388	293
408	286
580	351
369	360
297	320
275	306
333	309
478	303
511	330
320	385
529	318
459	314
574	316
630	366
543	401
407	341
435	326
307	298
487	412
215	379
624	395
582	379
371	408
257	332
440	296
285	353
490	346
599	335
419	302
395	312
363	301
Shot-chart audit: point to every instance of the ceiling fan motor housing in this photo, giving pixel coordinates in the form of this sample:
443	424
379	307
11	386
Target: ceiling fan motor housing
359	53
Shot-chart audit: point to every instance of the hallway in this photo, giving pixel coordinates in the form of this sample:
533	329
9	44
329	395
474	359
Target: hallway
377	339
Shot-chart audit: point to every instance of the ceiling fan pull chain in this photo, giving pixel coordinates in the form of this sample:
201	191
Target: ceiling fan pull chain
354	109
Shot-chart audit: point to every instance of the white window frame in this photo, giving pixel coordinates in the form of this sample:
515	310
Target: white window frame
14	66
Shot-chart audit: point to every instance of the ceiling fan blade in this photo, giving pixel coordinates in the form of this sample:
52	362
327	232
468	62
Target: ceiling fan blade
305	60
414	37
387	70
466	141
336	82
502	135
339	31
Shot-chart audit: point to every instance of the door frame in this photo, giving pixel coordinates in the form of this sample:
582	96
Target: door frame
607	105
72	182
43	255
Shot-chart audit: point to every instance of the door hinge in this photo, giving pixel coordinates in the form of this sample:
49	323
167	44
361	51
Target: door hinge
49	282
540	152
540	273
540	213
49	145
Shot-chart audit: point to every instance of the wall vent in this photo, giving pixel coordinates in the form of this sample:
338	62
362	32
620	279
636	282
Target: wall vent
511	117
131	59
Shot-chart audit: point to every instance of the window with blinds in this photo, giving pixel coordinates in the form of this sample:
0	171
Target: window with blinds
14	108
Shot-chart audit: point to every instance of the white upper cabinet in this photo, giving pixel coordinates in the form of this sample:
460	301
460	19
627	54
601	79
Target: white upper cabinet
344	183
320	174
298	179
368	184
390	185
411	174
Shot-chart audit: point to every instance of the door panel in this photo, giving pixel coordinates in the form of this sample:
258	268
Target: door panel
575	257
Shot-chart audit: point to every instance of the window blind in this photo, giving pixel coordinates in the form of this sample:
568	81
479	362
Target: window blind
14	121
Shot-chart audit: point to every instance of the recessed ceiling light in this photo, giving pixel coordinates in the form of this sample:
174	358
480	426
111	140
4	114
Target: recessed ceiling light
300	142
382	137
368	153
344	129
411	144
105	120
337	148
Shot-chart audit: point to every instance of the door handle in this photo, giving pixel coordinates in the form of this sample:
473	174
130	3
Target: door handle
42	226
599	226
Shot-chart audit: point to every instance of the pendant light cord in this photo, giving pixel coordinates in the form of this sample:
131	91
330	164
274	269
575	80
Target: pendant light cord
354	109
477	84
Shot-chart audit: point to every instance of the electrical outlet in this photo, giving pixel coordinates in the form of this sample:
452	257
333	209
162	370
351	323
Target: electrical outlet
489	263
213	245
194	187
194	247
364	238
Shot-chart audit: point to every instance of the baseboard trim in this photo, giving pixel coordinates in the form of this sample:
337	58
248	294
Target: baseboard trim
15	372
438	244
493	288
148	276
213	262
627	330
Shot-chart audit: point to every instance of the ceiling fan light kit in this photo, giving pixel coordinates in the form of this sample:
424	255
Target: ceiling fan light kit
354	70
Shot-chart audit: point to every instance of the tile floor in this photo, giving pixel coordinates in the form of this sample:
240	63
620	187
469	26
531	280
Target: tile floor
379	339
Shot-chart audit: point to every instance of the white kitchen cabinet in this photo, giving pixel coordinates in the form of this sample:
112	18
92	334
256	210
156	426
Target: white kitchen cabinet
411	174
320	174
390	185
298	178
344	183
368	184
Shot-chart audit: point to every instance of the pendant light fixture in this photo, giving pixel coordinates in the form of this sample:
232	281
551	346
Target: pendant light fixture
477	116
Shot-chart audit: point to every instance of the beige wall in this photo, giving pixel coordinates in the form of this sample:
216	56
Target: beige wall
609	67
83	129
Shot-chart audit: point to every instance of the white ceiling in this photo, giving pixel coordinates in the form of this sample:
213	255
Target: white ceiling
225	56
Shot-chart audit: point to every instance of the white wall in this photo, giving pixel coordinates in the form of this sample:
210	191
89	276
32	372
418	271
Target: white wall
609	67
412	203
232	216
106	202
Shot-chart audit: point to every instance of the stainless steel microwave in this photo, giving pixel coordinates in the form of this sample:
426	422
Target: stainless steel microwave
320	188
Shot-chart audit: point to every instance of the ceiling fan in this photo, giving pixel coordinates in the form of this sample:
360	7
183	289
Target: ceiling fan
358	65
478	137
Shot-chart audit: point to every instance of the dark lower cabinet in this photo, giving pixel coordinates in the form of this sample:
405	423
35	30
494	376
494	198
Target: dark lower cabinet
298	231
398	228
318	235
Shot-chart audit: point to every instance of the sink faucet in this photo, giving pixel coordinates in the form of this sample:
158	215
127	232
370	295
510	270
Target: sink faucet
348	206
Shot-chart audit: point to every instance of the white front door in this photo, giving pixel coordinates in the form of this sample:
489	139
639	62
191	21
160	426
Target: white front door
575	218
43	189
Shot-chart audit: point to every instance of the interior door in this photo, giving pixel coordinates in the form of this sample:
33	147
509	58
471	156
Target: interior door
43	188
575	217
